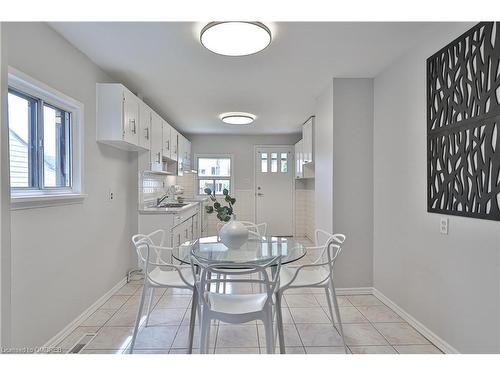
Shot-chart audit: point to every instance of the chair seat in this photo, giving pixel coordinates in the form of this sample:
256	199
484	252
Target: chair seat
172	278
305	278
236	303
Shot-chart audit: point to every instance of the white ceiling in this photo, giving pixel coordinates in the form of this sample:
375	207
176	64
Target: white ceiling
190	86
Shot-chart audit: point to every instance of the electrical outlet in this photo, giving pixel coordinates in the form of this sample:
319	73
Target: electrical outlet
443	225
111	195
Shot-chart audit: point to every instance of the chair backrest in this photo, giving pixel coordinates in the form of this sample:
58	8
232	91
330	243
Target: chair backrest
238	274
151	252
322	237
260	229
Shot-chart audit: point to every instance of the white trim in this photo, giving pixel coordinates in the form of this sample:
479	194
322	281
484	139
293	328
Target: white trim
232	189
354	291
421	328
83	316
45	200
31	86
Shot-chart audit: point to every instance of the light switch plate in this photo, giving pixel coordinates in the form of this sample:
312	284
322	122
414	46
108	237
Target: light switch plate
443	225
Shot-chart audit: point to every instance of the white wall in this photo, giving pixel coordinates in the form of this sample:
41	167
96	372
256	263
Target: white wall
64	258
449	283
344	174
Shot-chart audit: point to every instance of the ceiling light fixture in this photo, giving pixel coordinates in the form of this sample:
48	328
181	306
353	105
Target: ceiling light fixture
237	118
235	38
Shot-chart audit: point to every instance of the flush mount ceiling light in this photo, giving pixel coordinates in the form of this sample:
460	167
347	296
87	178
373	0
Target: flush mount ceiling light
237	118
235	38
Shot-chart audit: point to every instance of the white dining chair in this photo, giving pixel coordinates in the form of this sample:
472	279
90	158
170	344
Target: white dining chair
159	272
318	274
237	308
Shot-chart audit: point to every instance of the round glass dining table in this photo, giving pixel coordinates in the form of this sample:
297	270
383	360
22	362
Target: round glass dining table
256	249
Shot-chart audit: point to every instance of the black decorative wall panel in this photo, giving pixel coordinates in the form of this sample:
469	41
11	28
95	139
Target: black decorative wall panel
463	125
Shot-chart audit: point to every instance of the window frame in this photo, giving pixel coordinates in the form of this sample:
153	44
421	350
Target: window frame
32	197
229	178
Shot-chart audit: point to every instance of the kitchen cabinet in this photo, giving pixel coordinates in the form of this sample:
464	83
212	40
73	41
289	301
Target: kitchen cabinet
174	147
118	116
145	126
299	159
307	141
166	141
156	142
184	155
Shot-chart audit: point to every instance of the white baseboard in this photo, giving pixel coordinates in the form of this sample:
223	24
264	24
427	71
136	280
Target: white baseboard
353	291
83	316
426	332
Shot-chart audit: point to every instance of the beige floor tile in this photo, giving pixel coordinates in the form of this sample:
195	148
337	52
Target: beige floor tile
301	300
319	335
237	336
125	317
364	300
289	350
98	318
134	301
183	351
114	302
151	351
157	337
417	349
179	291
349	315
127	290
111	338
236	350
400	334
157	291
169	301
325	350
298	291
342	300
285	313
166	316
101	351
362	334
309	315
379	314
69	341
182	337
290	333
374	349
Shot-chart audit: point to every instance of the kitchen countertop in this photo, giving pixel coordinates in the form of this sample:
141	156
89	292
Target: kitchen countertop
168	210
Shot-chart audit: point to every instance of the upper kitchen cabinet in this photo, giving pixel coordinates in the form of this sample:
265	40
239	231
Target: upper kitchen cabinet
299	159
167	142
308	141
184	155
118	116
174	147
156	153
145	126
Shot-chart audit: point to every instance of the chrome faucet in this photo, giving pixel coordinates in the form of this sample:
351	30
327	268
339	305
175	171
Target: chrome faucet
161	199
170	192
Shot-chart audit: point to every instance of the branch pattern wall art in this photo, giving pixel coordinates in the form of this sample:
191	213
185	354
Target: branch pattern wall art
463	125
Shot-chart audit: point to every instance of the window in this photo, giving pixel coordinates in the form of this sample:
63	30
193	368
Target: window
44	134
214	172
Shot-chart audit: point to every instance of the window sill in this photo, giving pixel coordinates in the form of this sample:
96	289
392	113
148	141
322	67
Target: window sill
23	202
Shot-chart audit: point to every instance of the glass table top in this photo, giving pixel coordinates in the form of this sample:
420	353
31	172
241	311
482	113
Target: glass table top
254	250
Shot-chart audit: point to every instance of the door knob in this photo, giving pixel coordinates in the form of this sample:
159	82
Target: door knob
260	194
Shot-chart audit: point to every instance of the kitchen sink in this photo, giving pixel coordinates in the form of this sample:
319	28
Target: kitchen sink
172	205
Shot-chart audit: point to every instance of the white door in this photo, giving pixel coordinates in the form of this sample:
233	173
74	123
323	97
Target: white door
274	169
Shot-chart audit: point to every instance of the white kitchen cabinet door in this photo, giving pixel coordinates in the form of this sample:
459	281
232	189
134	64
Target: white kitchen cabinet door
174	147
307	141
299	159
130	118
156	142
167	144
187	156
145	126
180	154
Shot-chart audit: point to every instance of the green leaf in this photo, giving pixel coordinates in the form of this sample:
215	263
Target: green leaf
225	192
209	209
233	200
227	218
208	191
216	205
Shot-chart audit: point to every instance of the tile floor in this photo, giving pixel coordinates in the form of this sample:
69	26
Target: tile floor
370	327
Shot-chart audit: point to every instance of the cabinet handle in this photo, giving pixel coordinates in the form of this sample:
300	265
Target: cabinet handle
132	121
159	157
168	145
147	134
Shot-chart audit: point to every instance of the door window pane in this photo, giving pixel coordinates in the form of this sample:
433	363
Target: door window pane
22	134
56	147
274	162
263	162
284	162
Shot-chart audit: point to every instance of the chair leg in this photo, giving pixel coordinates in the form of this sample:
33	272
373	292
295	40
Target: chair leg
329	302
204	335
337	312
150	305
192	320
138	320
268	327
279	322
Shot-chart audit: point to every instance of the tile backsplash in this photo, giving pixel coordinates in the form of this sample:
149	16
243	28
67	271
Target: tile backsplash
153	186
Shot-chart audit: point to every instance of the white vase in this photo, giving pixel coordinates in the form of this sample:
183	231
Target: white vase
233	234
